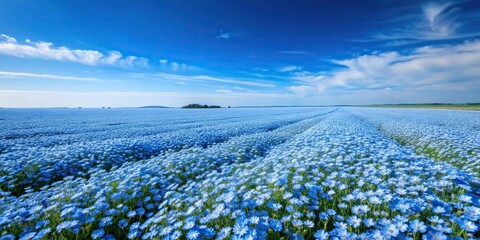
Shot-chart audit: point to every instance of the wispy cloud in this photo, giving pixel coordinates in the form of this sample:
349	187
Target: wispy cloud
289	68
45	50
205	78
50	76
429	22
229	35
423	68
7	39
295	52
175	66
225	35
224	91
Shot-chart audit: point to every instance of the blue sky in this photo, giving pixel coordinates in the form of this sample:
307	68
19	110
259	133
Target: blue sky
133	53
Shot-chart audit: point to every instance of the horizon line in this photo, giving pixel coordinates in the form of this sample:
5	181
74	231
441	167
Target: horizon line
260	106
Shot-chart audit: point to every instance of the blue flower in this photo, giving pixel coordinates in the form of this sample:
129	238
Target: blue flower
377	235
465	198
276	225
390	230
122	223
106	221
97	234
468	226
28	236
289	209
331	212
224	233
434	235
7	237
41	223
369	222
323	216
63	225
131	214
134	233
43	232
320	235
435	220
240	228
417	226
193	234
140	211
295	236
208	232
438	209
375	200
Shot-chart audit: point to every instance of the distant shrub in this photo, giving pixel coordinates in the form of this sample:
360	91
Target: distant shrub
196	105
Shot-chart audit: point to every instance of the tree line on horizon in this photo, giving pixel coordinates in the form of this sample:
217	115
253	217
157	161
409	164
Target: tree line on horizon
196	105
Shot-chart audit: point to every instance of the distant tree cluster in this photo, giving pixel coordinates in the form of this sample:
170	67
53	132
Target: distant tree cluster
196	105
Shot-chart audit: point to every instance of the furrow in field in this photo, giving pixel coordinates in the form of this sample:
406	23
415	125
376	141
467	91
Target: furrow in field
47	132
35	169
450	136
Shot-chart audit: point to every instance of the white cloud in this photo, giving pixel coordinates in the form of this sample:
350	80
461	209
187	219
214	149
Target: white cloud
46	50
132	61
436	68
288	68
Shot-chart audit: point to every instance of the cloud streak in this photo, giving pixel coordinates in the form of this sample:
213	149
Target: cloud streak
431	21
230	35
45	50
289	68
49	76
293	52
54	77
205	78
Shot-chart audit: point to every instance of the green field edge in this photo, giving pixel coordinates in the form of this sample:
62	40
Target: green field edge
468	107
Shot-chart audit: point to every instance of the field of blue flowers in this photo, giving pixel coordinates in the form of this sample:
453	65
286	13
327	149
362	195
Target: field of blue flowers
266	173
